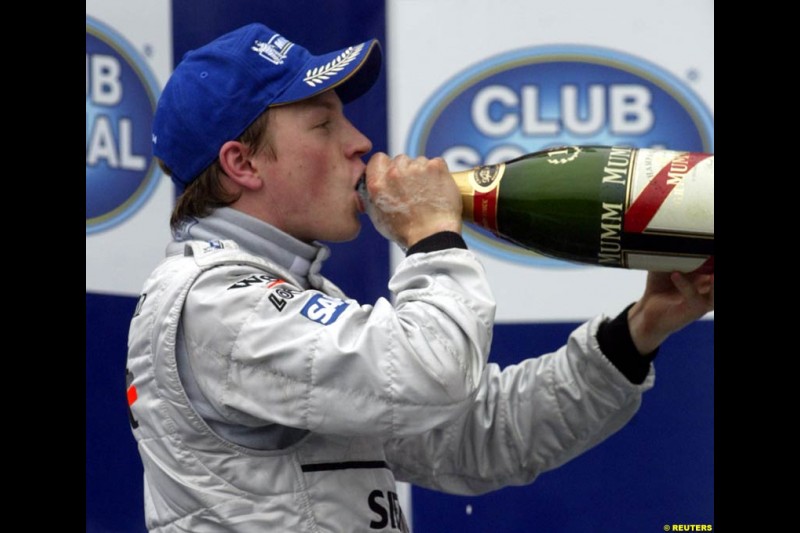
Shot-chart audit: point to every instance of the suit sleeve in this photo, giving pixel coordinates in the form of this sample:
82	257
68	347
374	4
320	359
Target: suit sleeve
528	418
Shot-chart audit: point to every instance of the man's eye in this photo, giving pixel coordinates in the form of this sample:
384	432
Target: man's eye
324	125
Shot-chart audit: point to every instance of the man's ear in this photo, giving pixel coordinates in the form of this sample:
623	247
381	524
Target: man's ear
234	158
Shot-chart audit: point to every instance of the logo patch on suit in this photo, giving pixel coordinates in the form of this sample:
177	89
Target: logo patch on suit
323	309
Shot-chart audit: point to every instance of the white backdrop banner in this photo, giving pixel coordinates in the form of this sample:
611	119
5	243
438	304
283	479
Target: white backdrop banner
483	81
128	200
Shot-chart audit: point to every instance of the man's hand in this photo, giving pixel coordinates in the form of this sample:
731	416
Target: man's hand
411	199
670	302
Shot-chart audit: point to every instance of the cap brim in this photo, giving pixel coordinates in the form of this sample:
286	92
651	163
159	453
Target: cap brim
351	71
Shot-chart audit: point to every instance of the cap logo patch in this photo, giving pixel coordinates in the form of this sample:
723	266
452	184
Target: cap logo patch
318	75
274	50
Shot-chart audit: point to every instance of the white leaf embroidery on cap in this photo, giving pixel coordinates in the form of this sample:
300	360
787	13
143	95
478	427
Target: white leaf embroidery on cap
318	75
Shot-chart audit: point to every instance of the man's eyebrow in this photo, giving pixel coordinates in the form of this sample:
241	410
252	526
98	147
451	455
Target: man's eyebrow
324	104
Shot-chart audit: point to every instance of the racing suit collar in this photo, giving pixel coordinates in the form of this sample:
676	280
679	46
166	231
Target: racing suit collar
254	236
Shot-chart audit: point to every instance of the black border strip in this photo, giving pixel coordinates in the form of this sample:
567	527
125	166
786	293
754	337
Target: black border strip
319	467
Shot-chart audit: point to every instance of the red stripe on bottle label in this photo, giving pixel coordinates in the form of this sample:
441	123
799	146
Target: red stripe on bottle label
132	396
485	209
650	200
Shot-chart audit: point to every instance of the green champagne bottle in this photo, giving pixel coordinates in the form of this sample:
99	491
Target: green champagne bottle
621	207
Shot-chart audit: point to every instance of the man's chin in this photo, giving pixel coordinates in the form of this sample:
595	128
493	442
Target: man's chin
345	235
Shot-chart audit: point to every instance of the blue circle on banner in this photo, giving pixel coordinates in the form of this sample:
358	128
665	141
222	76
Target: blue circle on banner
121	95
538	98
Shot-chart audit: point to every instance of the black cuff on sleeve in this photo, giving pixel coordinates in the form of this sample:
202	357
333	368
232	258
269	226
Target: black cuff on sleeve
614	338
438	241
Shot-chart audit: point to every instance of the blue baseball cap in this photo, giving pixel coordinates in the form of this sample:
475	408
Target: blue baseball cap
218	90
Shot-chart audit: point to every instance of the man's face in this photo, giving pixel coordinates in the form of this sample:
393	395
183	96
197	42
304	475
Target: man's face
310	181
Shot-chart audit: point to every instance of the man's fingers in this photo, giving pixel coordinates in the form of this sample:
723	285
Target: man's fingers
378	164
697	290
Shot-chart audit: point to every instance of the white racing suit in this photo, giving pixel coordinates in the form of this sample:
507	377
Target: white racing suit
319	404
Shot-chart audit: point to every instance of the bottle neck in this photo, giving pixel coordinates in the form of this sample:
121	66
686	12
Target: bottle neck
479	188
463	181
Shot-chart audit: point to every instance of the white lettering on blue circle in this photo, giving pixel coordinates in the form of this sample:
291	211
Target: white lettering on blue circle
533	99
121	95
